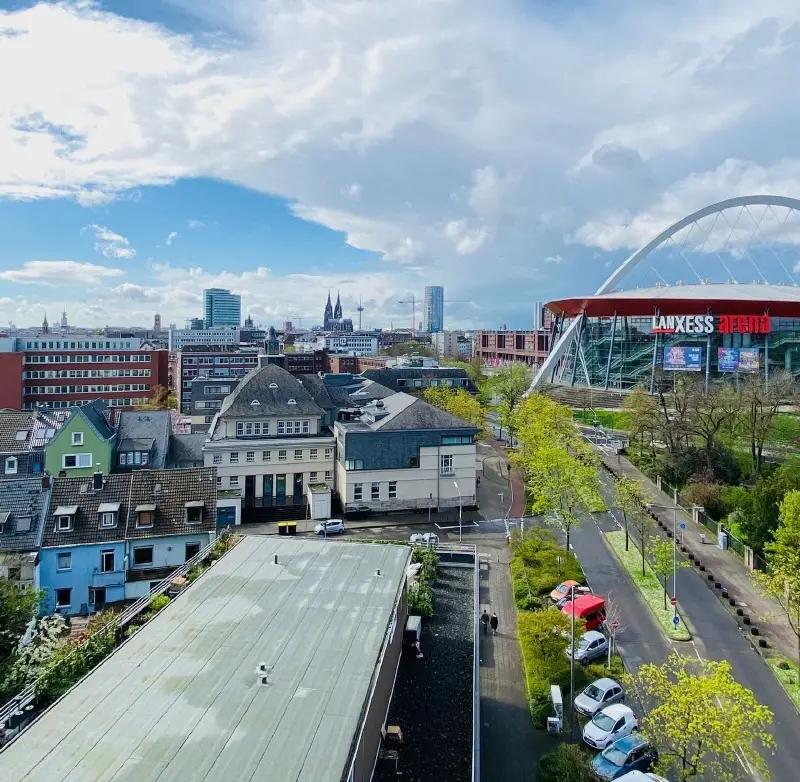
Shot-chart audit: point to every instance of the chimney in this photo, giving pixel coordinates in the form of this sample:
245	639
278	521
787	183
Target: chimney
97	481
45	482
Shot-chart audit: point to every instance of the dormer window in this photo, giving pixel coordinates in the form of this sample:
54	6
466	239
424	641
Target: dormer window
11	465
194	511
255	403
251	428
273	385
77	438
65	517
292	402
4	517
145	515
107	513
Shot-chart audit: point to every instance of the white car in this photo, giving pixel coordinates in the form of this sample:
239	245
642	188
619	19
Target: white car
330	527
425	538
602	692
609	724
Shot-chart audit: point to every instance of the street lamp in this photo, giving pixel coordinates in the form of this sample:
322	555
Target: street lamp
572	661
455	483
674	509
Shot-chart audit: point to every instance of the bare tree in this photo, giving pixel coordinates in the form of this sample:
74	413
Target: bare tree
707	411
760	403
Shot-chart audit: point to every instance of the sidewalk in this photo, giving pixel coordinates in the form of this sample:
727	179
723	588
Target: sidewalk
725	566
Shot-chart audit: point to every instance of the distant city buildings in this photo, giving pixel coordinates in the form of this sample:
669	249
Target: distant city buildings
433	309
221	308
498	347
452	344
332	319
214	336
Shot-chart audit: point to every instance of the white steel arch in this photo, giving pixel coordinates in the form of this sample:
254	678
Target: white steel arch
637	257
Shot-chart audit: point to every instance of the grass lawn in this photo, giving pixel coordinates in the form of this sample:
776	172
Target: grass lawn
649	586
787	677
609	419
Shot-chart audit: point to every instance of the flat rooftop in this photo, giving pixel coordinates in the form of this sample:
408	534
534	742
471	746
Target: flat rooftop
182	698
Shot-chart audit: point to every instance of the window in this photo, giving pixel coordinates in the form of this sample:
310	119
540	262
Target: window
281	456
354	464
219	482
11	465
234	457
216	458
77	438
446	464
313	453
107	560
358	492
64	561
144	518
73	460
63	598
251	428
376	491
192	550
312	476
194	512
64	523
329	453
14	573
305	427
108	519
250	456
266	456
392	490
142	555
457	440
234	481
328	475
298	454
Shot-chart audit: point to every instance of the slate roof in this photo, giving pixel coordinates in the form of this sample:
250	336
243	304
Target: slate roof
95	415
390	375
184	449
11	422
326	396
403	412
368	391
175	489
21	498
272	401
141	427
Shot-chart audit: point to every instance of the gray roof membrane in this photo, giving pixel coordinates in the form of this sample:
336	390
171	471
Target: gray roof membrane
182	699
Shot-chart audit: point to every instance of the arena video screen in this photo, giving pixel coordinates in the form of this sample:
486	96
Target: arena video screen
738	360
683	359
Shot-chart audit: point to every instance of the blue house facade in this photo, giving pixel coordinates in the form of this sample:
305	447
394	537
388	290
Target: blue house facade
110	538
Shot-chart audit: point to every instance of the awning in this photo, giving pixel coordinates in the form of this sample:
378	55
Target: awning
194	504
65	510
145	508
108	507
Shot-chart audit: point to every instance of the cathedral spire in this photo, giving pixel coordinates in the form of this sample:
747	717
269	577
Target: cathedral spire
337	311
328	317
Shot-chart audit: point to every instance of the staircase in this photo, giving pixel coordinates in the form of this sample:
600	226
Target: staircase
580	396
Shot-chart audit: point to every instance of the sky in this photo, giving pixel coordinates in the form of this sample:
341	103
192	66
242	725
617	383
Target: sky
511	151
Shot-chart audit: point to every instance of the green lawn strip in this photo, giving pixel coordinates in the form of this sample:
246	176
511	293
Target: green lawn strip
787	677
648	585
608	419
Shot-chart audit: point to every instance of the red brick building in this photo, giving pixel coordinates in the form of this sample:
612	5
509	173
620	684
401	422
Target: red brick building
496	347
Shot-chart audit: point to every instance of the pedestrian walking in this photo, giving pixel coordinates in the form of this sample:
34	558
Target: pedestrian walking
485	621
494	622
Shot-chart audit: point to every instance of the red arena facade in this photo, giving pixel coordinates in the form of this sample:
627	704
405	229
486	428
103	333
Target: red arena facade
618	339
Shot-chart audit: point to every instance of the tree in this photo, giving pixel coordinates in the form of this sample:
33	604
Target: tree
707	411
408	348
644	416
542	632
459	403
630	499
761	401
509	385
566	763
701	720
16	611
31	660
663	559
782	579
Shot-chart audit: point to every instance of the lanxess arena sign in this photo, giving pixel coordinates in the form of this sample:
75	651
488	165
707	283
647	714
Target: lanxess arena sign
708	324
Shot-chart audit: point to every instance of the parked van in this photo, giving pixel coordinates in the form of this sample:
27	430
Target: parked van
590	608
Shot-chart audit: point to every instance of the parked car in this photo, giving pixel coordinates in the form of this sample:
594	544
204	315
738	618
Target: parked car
424	538
589	647
564	589
609	724
330	527
600	693
632	753
589	608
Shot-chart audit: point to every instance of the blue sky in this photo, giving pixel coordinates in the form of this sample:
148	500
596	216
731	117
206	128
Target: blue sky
512	153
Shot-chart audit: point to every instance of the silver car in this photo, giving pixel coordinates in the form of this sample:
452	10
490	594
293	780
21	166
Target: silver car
590	646
598	694
330	527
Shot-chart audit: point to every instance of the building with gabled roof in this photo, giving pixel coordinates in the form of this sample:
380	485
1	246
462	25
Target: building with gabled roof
85	442
143	439
23	436
107	538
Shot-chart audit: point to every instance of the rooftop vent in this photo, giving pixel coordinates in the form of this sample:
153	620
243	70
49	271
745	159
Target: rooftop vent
291	402
157	488
273	385
255	403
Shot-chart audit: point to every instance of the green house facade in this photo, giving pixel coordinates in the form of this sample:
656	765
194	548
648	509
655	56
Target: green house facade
83	445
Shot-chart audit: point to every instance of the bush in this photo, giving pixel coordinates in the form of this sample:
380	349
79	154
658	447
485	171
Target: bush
722	467
159	602
420	599
707	494
429	560
566	763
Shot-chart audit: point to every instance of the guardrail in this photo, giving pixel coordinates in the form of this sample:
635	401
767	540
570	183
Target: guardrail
26	697
476	673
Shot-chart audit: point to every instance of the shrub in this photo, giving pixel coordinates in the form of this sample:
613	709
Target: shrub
707	494
539	563
159	602
420	599
566	763
429	560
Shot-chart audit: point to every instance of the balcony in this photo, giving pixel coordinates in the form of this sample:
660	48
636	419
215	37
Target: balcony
110	579
150	573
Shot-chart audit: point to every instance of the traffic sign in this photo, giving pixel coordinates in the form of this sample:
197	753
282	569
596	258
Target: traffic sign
676	620
673	600
615	625
683	525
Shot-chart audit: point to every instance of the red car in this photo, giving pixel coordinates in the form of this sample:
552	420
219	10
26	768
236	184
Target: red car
590	608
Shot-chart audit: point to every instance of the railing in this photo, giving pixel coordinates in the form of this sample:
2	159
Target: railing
476	674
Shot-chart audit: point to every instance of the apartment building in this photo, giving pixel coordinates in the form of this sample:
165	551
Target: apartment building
498	347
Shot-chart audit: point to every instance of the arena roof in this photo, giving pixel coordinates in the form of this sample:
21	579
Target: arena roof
711	298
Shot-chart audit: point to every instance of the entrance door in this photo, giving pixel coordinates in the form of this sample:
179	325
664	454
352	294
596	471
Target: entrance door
298	484
280	488
97	595
249	487
268	484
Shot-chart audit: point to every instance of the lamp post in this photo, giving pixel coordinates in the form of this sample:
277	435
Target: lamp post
455	483
674	509
572	661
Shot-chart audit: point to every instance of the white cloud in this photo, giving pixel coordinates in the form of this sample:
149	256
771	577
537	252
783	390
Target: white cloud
172	236
557	259
110	244
59	273
195	224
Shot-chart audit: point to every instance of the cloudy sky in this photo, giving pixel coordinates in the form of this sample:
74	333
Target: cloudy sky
511	151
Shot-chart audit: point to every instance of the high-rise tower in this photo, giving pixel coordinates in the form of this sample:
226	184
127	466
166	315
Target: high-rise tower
433	309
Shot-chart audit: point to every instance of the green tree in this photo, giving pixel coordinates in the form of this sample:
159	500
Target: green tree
701	720
16	611
644	416
760	403
409	348
459	403
782	579
662	559
509	384
542	633
30	661
566	763
630	499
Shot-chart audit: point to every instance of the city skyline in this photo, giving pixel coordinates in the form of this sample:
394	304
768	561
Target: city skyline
359	171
